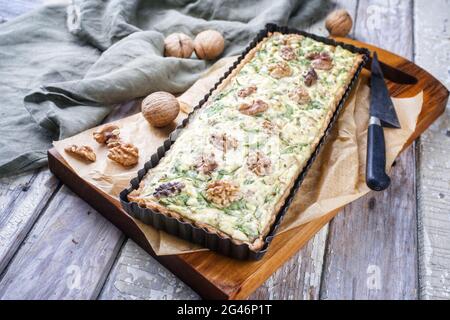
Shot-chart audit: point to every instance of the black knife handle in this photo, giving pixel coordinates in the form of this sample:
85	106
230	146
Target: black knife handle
376	177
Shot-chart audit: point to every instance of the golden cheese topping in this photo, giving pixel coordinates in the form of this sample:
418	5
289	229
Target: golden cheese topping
232	166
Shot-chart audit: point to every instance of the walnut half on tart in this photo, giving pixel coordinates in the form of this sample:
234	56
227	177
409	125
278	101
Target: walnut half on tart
233	165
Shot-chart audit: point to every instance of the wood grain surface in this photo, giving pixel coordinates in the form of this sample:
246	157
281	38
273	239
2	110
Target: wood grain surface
216	276
371	247
22	199
137	275
67	254
301	276
432	51
417	29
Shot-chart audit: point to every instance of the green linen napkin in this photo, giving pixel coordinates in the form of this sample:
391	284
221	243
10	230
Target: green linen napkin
63	68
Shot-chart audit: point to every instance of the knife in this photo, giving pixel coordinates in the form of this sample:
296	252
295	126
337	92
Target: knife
382	114
392	73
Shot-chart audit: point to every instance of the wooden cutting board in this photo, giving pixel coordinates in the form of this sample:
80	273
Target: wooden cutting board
217	277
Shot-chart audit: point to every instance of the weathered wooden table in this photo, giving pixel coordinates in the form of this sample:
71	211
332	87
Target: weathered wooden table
389	245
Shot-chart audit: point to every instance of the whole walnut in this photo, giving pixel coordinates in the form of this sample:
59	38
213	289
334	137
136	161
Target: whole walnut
339	23
178	45
209	44
160	108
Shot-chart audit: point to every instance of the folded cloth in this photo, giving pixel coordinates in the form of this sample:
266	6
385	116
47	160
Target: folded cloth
63	68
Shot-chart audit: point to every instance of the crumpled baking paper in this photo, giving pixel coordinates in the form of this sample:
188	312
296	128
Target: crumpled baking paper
336	178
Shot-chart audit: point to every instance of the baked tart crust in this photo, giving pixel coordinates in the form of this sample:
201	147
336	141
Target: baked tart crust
233	166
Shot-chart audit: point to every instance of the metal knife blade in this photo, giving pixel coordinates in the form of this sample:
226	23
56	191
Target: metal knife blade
392	73
381	105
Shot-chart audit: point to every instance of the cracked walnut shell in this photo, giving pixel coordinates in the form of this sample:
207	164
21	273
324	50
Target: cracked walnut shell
222	193
82	152
124	154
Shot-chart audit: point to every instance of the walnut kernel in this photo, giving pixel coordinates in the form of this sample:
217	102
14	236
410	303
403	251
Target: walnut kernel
310	77
81	152
206	163
106	132
299	95
291	39
168	189
223	141
287	53
322	61
125	154
280	70
268	125
222	193
245	92
113	139
256	107
259	163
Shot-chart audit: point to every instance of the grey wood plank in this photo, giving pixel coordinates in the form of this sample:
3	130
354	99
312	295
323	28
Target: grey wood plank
161	291
10	9
371	253
432	48
22	199
300	277
137	275
52	263
67	254
297	279
71	242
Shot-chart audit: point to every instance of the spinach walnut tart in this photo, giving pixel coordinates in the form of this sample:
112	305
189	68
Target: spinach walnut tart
233	166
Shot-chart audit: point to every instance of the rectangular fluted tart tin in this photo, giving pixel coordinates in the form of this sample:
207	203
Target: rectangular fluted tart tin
225	181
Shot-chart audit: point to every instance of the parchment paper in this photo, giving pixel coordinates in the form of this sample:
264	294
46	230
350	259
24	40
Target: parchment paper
336	178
